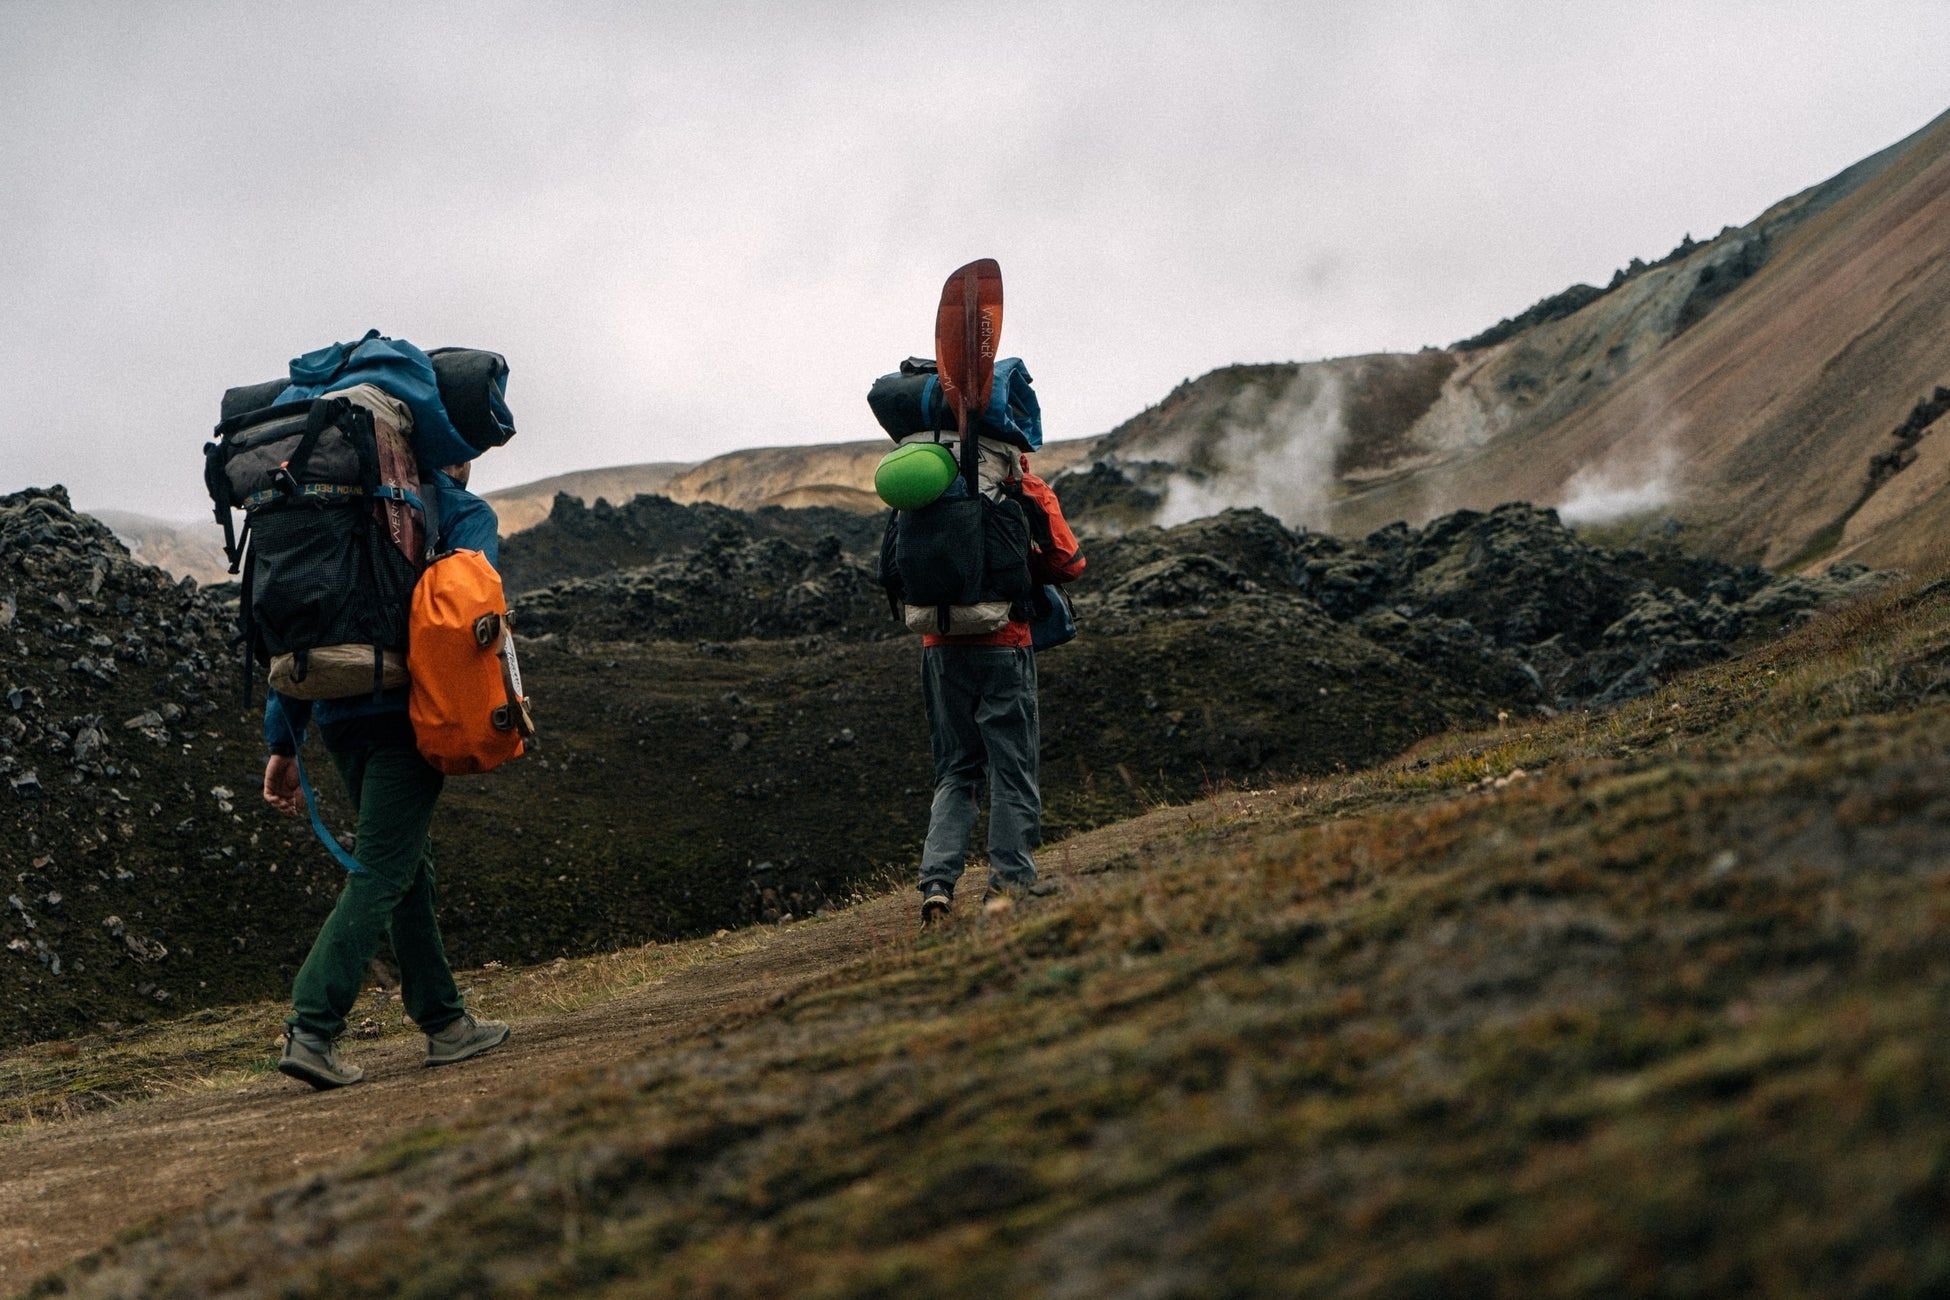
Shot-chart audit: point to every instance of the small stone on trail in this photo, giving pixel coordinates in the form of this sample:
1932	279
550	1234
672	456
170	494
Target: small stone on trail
1000	905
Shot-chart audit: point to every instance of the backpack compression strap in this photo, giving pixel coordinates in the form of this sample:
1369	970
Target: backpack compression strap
325	836
219	498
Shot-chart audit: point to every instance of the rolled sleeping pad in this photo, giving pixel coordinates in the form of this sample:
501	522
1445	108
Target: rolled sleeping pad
915	475
252	397
473	387
911	401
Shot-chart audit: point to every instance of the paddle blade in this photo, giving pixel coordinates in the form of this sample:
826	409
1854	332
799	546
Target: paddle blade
967	331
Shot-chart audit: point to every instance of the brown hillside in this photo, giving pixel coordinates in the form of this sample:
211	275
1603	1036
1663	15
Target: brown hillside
526	505
1646	1003
762	476
830	474
1742	384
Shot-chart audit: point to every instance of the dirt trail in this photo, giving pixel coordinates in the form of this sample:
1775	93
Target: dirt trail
72	1186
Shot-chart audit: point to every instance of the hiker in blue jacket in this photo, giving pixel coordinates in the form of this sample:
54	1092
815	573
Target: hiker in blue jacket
370	740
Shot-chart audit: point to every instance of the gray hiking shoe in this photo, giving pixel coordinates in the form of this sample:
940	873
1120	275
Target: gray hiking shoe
314	1060
464	1038
936	902
1019	891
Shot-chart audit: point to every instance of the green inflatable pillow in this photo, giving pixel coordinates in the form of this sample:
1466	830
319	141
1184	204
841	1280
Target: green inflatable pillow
910	477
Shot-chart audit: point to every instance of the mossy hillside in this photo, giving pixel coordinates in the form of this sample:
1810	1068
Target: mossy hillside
1640	1003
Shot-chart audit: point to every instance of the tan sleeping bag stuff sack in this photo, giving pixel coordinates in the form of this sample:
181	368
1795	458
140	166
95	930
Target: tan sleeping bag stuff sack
333	672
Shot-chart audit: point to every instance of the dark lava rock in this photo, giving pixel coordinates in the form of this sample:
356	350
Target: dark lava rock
725	589
1104	500
1508	603
88	828
578	541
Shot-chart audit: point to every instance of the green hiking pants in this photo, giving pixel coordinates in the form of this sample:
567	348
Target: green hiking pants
392	899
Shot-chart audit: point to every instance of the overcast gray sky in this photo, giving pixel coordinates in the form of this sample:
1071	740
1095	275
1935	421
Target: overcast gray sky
698	227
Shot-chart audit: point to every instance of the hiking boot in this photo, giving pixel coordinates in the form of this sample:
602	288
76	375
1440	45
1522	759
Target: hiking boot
937	901
1019	891
314	1060
463	1038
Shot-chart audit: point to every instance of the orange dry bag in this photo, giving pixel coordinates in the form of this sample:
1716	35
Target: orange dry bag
469	714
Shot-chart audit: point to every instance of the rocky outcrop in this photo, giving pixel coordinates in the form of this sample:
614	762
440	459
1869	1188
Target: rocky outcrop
133	885
584	541
728	587
1509	602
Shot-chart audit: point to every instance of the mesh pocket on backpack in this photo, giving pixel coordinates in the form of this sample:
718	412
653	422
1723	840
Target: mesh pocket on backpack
323	576
938	552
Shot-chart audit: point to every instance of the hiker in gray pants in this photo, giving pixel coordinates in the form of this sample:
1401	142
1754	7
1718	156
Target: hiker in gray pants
983	727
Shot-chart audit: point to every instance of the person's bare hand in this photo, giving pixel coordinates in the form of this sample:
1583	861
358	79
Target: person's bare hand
281	784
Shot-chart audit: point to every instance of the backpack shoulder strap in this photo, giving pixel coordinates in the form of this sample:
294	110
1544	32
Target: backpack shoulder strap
323	415
430	514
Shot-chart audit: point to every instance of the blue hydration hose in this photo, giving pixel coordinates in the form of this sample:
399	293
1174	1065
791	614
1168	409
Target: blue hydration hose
325	836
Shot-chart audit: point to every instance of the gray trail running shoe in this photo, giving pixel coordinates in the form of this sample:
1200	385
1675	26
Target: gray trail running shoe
936	902
464	1038
314	1060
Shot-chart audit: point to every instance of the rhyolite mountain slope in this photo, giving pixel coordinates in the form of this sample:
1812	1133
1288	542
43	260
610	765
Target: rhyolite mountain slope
830	474
834	475
1745	386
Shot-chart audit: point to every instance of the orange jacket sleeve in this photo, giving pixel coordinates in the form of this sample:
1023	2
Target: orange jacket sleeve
1063	561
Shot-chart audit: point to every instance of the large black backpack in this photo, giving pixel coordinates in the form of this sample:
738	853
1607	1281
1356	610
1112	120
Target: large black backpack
320	567
964	549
